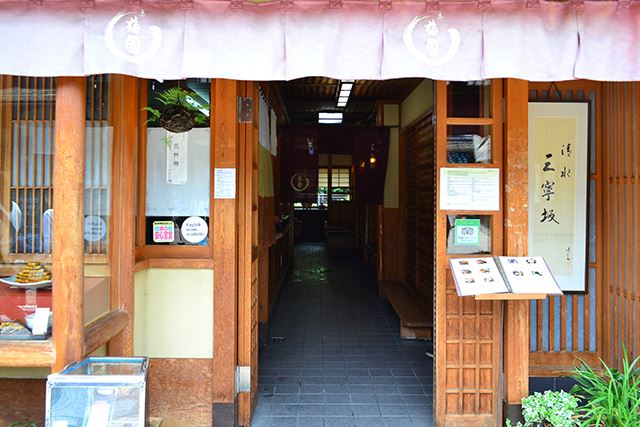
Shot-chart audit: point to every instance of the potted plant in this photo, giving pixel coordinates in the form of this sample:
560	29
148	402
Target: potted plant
611	397
182	110
551	408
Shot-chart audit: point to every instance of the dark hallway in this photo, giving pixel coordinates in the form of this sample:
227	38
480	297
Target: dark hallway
335	357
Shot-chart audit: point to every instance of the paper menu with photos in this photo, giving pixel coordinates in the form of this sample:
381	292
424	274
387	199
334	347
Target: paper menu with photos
477	276
516	275
527	275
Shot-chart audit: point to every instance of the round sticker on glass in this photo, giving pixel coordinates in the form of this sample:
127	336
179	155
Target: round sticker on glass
95	228
194	229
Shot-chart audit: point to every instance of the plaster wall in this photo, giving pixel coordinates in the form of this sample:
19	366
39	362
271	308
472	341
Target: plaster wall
417	103
174	313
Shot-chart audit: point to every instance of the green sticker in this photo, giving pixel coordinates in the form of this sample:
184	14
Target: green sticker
467	232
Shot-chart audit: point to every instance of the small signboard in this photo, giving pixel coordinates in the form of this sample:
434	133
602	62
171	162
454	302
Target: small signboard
467	232
194	229
225	183
163	231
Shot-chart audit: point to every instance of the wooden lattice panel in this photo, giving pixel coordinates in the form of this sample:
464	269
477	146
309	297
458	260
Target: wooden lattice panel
621	197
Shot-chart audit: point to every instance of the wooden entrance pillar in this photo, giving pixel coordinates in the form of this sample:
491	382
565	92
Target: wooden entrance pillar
516	319
225	243
68	221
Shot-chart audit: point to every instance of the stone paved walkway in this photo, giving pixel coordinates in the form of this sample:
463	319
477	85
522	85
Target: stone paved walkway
335	357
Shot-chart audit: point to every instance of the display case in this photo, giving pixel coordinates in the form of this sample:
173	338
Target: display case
98	392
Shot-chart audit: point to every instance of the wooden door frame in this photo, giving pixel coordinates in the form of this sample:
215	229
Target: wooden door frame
455	403
248	252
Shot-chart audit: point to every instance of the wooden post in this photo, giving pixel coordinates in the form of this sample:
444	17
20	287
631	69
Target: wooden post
68	221
123	228
516	324
225	284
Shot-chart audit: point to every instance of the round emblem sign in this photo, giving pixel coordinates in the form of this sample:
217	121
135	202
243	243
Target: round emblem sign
299	182
194	229
95	228
129	37
431	40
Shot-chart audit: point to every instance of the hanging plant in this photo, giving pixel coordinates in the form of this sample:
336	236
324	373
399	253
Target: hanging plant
182	110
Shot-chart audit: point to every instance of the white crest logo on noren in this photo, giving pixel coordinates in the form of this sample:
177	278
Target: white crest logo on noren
425	31
127	39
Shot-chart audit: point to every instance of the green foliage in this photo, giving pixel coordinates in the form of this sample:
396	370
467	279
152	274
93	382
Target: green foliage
552	408
611	398
27	424
177	96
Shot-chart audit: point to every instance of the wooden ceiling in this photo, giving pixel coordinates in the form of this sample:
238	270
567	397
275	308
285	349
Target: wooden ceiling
301	100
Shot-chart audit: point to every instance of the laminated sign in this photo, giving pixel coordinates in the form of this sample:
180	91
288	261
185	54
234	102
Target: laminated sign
467	232
163	231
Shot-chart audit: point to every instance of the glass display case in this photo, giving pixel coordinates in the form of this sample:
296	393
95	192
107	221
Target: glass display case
98	392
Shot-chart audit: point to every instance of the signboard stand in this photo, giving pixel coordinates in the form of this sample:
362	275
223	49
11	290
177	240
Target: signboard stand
509	297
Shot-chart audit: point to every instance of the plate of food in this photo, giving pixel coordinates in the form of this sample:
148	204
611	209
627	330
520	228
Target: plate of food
33	276
17	331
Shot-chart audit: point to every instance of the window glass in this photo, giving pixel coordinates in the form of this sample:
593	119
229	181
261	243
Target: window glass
340	185
469	99
27	147
469	144
178	162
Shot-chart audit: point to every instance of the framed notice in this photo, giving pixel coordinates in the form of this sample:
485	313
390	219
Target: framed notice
470	189
558	144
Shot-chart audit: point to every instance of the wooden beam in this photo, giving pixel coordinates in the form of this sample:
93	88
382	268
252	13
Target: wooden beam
68	221
516	336
123	232
224	236
99	332
26	354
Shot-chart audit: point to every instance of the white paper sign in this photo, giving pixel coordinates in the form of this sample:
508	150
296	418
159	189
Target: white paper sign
194	229
177	158
225	183
470	189
40	321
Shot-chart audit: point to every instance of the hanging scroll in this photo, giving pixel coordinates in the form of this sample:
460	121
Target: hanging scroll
558	146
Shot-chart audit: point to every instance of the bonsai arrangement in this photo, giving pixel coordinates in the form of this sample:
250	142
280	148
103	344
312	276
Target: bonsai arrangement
182	110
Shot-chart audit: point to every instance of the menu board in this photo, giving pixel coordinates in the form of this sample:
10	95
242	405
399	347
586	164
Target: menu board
528	275
477	276
516	275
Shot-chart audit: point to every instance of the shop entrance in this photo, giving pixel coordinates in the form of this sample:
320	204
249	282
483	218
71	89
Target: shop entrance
343	337
398	246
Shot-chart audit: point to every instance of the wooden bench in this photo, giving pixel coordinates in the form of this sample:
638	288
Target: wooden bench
415	322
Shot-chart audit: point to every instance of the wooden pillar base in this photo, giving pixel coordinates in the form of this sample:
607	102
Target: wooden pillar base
512	412
224	414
